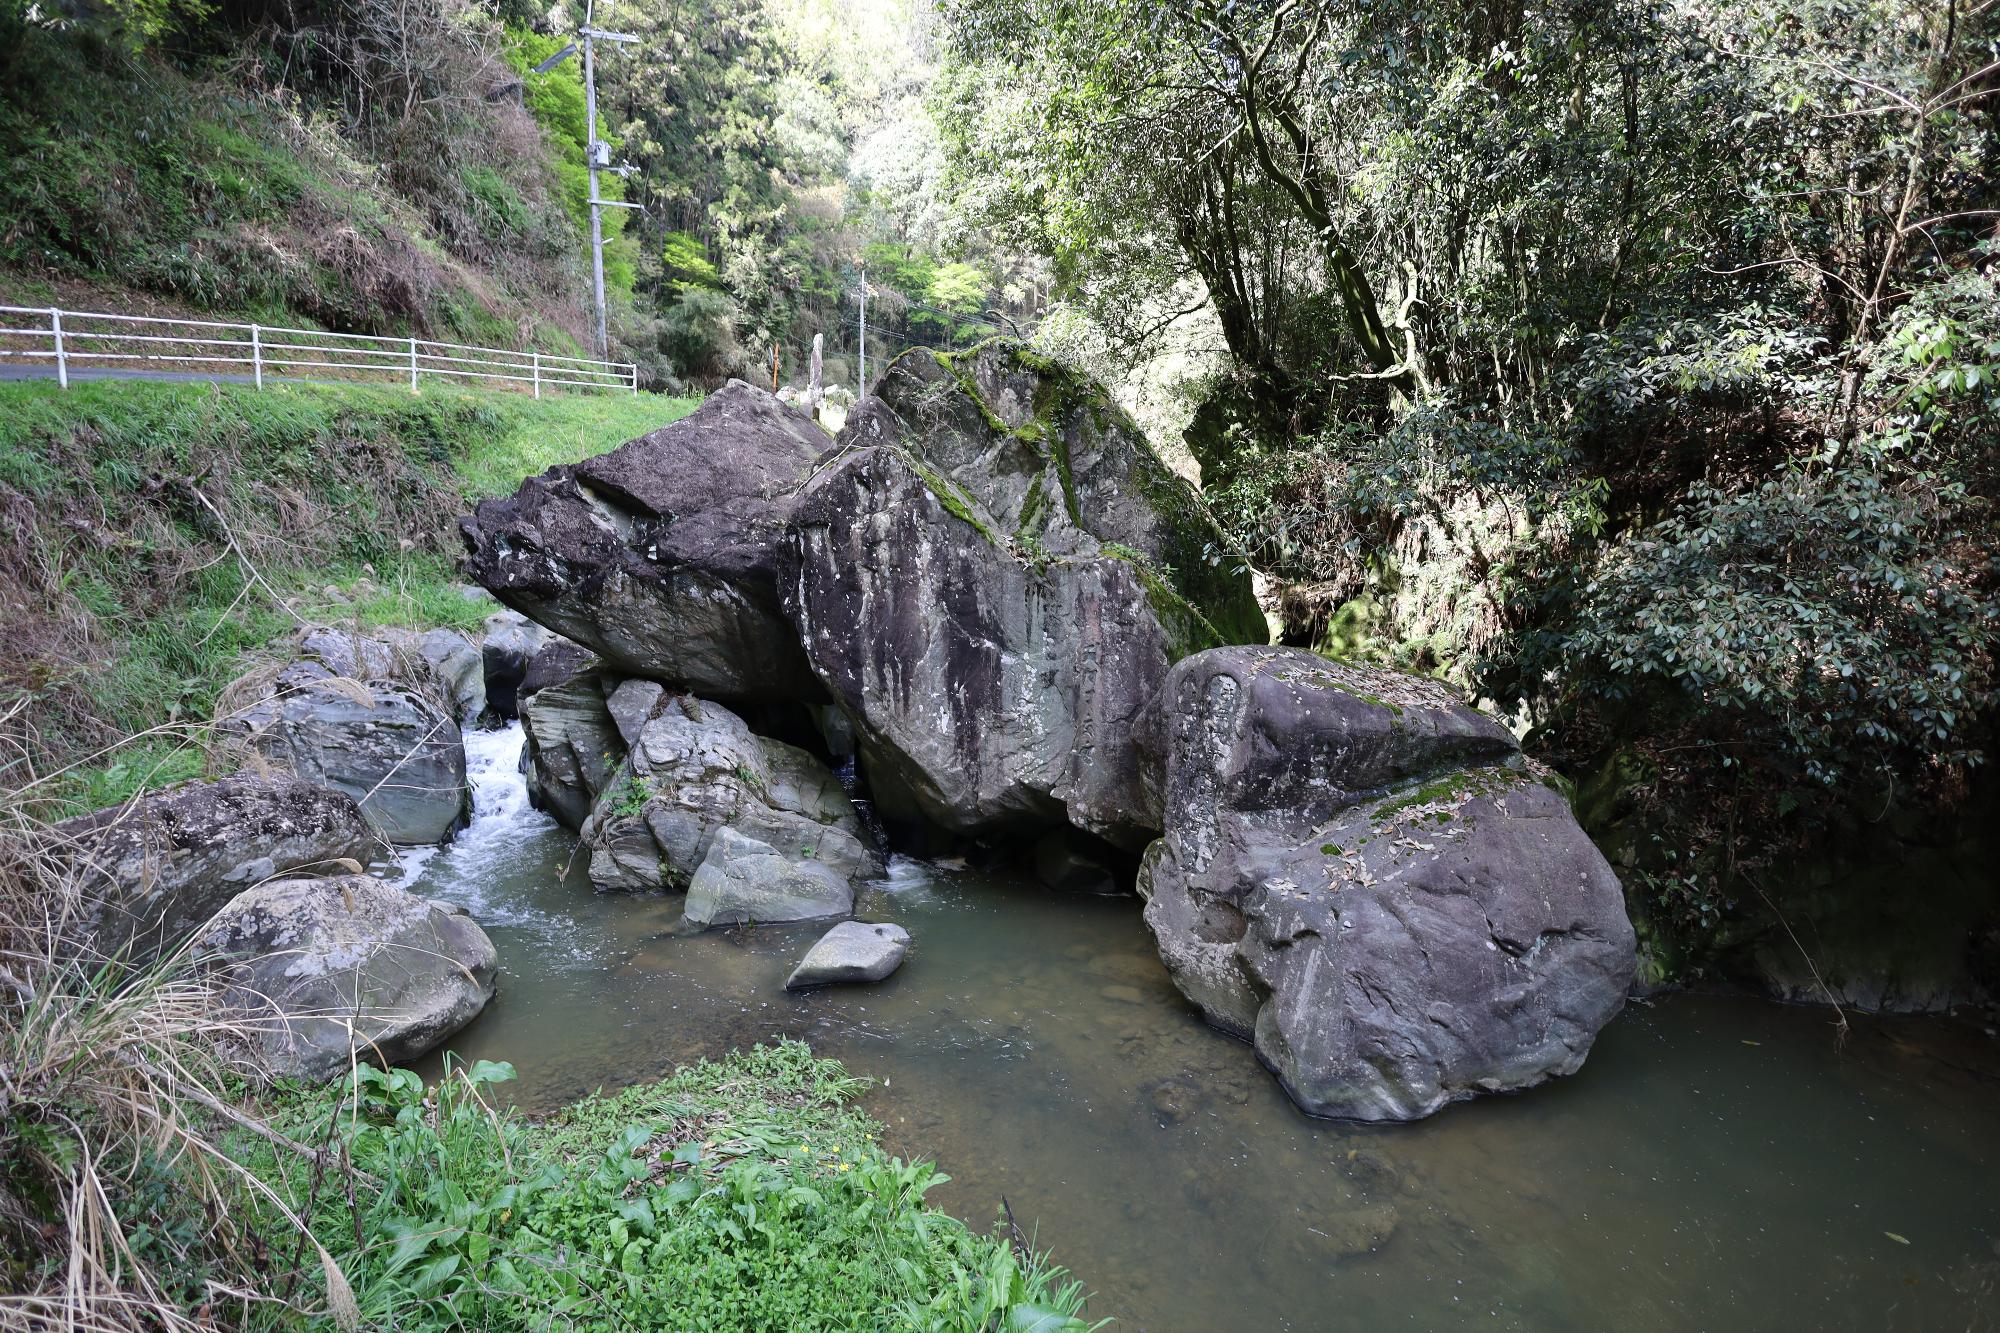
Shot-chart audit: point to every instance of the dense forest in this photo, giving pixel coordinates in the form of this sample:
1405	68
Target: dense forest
397	168
1631	365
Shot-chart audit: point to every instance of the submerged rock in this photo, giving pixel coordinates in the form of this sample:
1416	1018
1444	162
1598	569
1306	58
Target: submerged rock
154	871
322	971
1387	953
697	768
742	880
386	744
571	749
663	556
853	951
993	578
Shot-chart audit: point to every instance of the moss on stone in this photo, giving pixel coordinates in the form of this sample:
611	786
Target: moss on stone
1199	572
1452	789
1188	630
950	495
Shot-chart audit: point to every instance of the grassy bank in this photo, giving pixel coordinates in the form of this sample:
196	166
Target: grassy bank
153	535
741	1194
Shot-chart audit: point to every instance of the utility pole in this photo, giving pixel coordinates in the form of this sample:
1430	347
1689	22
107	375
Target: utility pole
596	153
862	387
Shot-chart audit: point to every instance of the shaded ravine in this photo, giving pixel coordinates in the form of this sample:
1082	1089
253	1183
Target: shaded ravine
1719	1164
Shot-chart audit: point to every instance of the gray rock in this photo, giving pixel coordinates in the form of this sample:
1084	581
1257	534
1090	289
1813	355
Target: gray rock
155	870
508	644
632	706
984	588
386	744
1386	952
1265	729
458	664
664	555
326	970
697	768
852	951
743	880
572	751
443	662
555	662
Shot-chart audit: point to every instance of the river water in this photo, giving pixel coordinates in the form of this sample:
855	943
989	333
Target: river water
1718	1164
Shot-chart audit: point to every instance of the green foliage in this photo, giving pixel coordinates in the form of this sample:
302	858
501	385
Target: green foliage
319	206
687	263
1632	364
1825	610
353	489
744	1194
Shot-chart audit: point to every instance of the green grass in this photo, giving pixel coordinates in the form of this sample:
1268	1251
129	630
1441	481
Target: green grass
137	607
742	1194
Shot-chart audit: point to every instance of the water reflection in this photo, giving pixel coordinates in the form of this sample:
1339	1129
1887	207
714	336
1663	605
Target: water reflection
1719	1164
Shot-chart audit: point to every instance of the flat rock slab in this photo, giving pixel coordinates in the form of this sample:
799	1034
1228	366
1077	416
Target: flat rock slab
851	951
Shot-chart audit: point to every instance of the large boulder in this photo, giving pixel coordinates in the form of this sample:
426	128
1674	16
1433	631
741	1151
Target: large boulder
1356	877
664	555
696	768
742	880
154	870
387	744
572	749
323	971
994	574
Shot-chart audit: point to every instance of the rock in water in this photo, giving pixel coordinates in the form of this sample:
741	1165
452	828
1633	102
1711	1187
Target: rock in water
572	748
385	744
993	578
743	880
507	648
325	969
155	870
663	556
852	951
698	768
1387	952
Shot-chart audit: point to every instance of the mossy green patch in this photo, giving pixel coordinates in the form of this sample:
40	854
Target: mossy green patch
949	494
1452	789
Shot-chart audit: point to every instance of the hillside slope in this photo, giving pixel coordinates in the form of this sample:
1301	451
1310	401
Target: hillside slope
255	173
153	535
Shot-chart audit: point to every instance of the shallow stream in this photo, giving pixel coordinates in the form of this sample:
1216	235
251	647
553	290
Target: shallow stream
1718	1164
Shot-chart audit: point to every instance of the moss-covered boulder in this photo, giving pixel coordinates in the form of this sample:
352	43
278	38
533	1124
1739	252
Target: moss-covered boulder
994	574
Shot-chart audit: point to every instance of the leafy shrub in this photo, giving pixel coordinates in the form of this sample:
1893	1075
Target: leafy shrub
740	1195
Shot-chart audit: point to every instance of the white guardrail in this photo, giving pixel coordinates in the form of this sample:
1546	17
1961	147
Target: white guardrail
132	345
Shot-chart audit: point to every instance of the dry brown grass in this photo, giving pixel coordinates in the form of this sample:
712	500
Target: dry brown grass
113	1106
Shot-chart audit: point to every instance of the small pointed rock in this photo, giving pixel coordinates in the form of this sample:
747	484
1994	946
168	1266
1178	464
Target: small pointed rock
851	951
